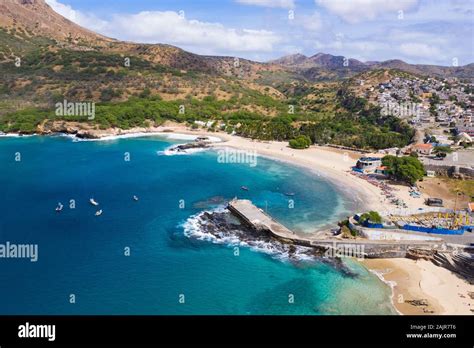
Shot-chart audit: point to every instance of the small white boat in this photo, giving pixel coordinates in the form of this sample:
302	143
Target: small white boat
98	212
93	202
59	207
135	198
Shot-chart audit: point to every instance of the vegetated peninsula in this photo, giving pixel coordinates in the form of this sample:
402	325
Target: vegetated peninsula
44	63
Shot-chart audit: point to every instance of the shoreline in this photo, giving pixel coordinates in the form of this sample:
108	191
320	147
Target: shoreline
419	287
367	194
330	163
408	279
390	283
325	174
404	274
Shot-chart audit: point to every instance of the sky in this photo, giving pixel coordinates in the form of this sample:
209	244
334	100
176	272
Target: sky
437	32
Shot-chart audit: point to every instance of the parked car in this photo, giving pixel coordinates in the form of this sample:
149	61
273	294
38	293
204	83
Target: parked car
434	202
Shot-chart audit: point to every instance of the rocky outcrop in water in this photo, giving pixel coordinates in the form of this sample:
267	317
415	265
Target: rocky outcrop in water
223	228
189	146
84	134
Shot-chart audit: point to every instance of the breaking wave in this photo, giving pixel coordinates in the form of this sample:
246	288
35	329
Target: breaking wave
218	226
170	152
167	135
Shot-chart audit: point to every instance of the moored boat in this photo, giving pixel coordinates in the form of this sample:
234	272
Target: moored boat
59	207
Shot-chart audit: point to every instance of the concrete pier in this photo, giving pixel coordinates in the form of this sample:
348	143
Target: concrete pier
257	219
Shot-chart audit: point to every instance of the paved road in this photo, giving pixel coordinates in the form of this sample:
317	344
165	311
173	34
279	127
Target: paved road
460	158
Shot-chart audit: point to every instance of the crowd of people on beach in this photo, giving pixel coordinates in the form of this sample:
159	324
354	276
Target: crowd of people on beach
387	190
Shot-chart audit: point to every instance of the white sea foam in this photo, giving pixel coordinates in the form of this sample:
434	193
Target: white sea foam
15	135
391	283
169	151
167	135
67	135
193	228
179	136
119	136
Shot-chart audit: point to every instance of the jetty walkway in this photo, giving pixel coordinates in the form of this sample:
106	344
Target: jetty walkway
257	219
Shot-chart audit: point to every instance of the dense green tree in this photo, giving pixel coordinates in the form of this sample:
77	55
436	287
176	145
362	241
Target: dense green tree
408	169
351	120
300	142
442	149
371	216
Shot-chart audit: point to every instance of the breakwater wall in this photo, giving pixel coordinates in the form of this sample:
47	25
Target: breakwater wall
258	220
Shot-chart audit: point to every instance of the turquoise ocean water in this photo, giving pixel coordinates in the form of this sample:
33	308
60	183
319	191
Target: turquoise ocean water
84	255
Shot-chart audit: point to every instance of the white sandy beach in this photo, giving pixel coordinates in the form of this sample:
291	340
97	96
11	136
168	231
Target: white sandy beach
332	163
442	291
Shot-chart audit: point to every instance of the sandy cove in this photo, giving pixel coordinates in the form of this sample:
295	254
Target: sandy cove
331	163
441	290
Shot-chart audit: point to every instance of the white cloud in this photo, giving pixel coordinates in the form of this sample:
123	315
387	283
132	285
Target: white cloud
409	36
360	49
407	45
419	38
63	10
269	3
354	11
421	50
313	22
86	20
171	28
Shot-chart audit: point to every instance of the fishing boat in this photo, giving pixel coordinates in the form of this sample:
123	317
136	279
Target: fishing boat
98	212
289	194
93	202
245	188
59	207
135	198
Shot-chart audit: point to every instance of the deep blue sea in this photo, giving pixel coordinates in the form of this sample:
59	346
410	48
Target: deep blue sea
82	254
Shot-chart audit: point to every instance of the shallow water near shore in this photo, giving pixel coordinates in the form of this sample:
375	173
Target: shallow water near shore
82	254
